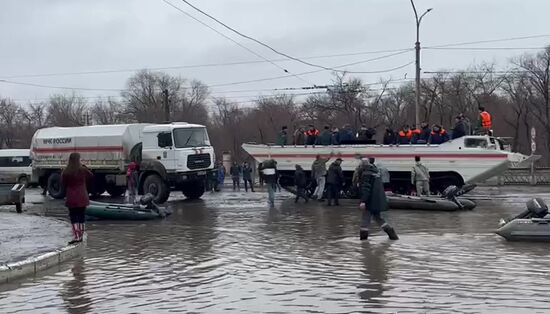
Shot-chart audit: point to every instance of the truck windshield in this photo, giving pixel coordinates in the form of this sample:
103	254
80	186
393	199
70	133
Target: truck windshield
190	137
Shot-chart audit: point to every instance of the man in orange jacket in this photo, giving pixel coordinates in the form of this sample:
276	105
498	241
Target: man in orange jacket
485	122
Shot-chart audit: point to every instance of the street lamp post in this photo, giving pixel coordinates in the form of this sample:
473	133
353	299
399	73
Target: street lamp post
417	48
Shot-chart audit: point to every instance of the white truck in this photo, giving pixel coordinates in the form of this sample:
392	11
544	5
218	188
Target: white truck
175	156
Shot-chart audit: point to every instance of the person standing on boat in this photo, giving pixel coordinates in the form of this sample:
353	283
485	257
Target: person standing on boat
269	171
438	135
299	136
420	177
459	129
325	138
485	122
335	180
405	135
311	135
319	172
390	138
346	135
422	136
282	137
235	172
373	202
247	177
300	181
74	179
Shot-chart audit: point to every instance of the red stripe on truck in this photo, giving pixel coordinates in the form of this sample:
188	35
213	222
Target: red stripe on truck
447	156
84	149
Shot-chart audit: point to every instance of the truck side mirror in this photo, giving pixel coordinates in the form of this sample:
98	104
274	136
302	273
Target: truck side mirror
165	139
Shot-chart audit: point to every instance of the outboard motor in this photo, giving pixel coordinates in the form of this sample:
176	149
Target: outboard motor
536	208
452	192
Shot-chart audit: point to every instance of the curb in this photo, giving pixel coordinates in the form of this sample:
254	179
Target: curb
32	265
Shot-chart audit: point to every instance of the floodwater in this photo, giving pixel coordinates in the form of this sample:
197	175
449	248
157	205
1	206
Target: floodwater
231	253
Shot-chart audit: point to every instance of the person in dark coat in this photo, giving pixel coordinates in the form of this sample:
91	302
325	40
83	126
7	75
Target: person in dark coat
300	181
74	179
335	136
282	137
235	172
459	129
269	171
347	135
335	180
390	138
325	138
373	202
423	135
438	135
247	177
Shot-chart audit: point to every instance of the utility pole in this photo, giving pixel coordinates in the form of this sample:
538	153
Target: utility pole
417	49
166	106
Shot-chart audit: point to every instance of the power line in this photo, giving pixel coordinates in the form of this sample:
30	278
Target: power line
60	87
317	71
234	41
206	65
487	41
485	48
257	41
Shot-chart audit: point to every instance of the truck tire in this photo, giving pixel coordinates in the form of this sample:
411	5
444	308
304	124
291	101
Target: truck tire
115	191
193	191
55	188
154	184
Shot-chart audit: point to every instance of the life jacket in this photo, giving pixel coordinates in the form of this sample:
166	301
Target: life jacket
416	131
312	132
407	134
485	120
441	132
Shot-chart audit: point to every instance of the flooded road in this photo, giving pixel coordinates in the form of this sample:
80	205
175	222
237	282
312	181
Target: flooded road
230	252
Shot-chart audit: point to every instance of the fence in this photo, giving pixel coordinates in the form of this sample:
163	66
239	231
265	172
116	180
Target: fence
525	176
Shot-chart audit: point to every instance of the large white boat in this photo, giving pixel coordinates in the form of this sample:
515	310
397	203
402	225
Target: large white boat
469	159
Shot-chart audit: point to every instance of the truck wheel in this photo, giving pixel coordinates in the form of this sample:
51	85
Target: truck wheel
55	188
115	191
154	184
193	191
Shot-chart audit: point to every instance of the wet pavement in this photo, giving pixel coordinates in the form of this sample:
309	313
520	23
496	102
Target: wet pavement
229	252
22	236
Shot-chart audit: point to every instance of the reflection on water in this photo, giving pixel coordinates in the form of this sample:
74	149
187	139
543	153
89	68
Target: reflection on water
232	253
73	292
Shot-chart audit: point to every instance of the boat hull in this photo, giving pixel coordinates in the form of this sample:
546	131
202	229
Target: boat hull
119	212
534	230
397	201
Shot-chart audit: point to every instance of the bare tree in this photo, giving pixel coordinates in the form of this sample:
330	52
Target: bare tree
64	110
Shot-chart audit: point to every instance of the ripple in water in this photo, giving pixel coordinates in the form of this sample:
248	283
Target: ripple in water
214	256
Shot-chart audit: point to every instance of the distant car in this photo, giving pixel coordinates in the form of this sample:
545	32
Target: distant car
15	166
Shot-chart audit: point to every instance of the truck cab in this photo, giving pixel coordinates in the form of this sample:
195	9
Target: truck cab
178	153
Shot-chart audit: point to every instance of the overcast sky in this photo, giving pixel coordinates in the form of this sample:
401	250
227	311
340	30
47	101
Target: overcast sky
57	36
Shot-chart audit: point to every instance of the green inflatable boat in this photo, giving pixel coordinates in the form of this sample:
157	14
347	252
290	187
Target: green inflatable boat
113	211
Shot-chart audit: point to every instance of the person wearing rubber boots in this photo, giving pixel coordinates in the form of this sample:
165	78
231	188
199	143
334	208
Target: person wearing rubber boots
373	202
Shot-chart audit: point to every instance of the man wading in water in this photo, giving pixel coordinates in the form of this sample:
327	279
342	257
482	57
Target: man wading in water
269	171
373	201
